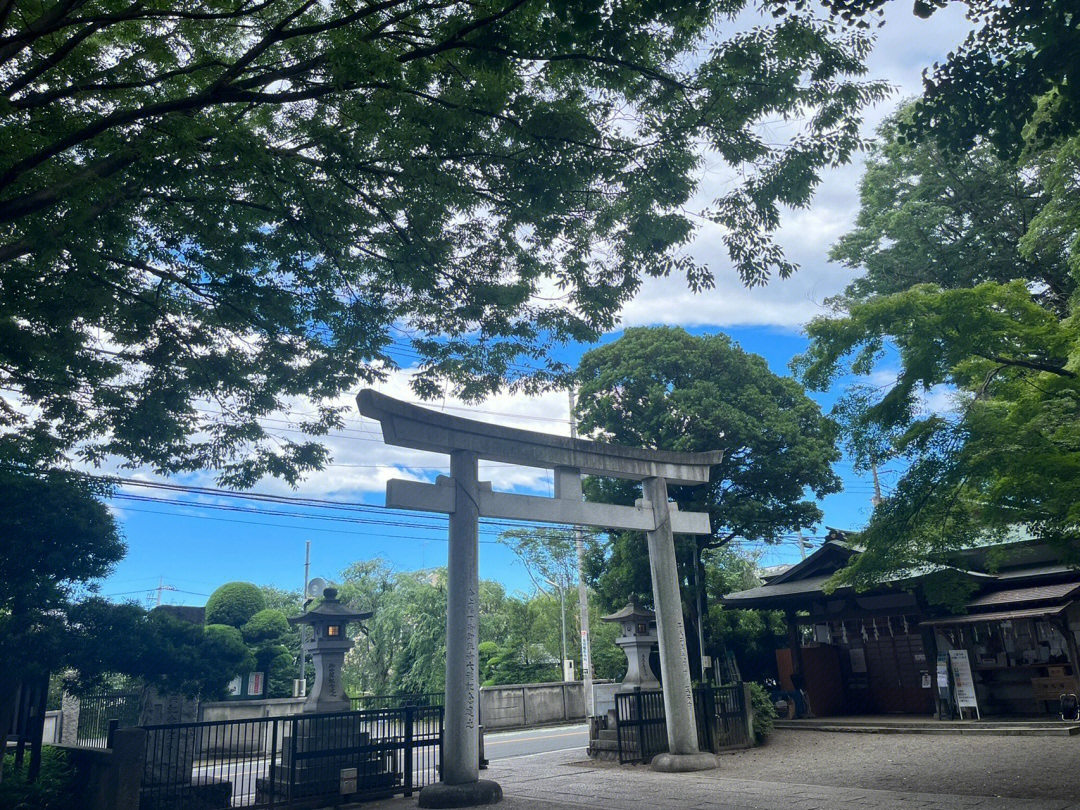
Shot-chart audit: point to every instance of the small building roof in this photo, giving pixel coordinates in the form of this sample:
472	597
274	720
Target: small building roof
1018	596
1034	565
998	615
331	608
632	611
195	614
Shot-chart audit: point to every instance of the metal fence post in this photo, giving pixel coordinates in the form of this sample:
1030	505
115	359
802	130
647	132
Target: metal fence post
272	773
639	704
113	725
408	750
292	758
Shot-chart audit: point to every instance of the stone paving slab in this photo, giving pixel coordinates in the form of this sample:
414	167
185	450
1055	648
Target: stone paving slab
562	780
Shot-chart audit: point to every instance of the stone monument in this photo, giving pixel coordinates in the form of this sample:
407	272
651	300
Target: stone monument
465	499
328	642
329	737
637	642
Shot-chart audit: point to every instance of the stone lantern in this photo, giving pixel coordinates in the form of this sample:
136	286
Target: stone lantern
327	642
637	641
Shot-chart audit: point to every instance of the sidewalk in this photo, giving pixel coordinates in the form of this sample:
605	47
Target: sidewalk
563	780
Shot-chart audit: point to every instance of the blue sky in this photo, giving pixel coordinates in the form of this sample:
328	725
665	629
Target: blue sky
194	549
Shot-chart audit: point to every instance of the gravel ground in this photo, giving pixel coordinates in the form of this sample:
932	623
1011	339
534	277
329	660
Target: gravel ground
1015	767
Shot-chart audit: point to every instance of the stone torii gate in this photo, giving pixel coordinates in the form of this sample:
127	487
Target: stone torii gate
465	499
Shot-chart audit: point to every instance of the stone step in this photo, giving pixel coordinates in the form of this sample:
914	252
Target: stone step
988	729
604	745
609	734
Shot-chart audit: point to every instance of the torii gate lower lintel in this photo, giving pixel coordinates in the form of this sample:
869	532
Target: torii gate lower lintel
465	499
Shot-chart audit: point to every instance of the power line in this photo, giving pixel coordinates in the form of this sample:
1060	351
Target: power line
287	526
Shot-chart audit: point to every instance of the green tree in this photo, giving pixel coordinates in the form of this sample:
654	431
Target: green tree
549	555
954	220
664	388
238	204
522	655
1004	455
291	603
266	626
234	604
58	538
753	636
274	645
154	648
404	650
988	88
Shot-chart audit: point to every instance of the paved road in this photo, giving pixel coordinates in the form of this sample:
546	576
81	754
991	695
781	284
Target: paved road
535	741
566	780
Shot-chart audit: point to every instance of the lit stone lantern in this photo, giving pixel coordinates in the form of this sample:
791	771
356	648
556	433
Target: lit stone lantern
328	642
637	641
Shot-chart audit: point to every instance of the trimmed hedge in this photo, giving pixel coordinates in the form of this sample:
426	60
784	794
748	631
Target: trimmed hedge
234	603
266	625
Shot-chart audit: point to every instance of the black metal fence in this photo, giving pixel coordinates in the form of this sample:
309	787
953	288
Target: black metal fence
97	713
640	722
292	762
722	717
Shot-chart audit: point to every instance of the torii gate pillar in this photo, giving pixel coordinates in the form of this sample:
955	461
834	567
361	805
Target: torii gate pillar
465	499
682	753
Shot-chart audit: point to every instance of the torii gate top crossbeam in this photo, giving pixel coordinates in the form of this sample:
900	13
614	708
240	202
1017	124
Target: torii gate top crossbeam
408	425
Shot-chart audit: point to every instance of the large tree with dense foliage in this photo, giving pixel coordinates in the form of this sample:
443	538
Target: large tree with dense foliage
1000	330
57	537
665	388
213	210
987	89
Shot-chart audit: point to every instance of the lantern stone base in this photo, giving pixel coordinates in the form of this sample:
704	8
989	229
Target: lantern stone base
684	763
467	794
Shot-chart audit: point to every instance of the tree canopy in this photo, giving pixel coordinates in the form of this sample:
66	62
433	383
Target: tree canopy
1002	337
661	387
213	211
664	388
234	604
57	537
988	88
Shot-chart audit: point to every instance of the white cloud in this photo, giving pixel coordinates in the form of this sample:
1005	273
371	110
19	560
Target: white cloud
905	46
363	463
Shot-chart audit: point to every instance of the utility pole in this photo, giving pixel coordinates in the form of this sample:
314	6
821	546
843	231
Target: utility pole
877	499
802	545
583	594
162	587
303	602
700	617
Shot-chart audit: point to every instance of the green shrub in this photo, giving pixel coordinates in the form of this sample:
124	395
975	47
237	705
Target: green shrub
234	603
266	626
764	713
280	670
53	790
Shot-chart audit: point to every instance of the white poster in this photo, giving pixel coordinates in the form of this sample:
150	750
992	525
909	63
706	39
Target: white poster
963	682
255	683
943	671
235	685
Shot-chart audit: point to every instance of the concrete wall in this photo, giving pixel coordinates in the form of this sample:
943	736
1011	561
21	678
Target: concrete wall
53	724
249	709
244	737
110	778
531	704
